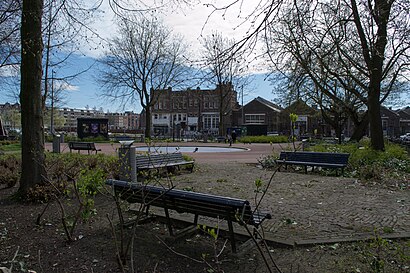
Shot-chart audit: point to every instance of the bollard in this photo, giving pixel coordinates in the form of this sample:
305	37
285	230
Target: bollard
305	144
56	143
128	169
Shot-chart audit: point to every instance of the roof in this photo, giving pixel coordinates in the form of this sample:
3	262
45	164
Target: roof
405	110
269	104
383	108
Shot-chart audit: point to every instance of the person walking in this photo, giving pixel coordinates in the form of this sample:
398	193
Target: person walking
229	138
233	135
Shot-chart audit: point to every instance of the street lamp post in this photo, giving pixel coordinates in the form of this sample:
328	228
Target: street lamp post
242	117
52	104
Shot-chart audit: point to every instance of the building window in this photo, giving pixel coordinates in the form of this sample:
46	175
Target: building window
384	124
255	118
211	121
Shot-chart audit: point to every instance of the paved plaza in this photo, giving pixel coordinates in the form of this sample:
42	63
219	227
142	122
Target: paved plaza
305	208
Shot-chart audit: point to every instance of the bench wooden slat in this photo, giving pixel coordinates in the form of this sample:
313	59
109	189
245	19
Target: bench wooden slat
82	146
221	207
156	161
314	159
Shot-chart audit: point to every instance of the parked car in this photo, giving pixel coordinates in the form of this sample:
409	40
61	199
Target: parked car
405	137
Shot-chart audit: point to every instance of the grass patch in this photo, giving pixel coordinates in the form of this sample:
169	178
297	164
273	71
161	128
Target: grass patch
10	147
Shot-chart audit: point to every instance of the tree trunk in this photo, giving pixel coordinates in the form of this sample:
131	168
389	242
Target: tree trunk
221	111
32	153
148	122
360	128
375	121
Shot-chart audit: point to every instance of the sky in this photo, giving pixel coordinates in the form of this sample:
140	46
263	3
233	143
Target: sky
192	22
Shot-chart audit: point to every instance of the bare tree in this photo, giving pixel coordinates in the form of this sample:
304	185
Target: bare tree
224	70
65	27
309	82
10	14
346	42
379	29
146	56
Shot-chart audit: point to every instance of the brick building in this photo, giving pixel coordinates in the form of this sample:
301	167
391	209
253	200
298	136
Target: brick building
404	115
119	122
308	119
192	110
390	122
71	114
259	115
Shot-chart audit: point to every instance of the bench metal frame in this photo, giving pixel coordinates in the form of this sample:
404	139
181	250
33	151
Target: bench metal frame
199	204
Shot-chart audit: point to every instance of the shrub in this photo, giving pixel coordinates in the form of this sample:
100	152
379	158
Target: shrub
95	139
267	161
367	163
43	193
62	169
9	170
264	139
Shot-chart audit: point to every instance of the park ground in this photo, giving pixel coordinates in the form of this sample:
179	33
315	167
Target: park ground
319	224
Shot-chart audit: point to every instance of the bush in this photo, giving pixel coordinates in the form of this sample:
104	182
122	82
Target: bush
366	163
89	171
267	161
264	139
95	139
9	171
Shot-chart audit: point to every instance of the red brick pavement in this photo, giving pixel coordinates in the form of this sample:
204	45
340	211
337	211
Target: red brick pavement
247	153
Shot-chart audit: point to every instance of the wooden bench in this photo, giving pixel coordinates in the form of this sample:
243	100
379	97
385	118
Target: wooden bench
82	146
314	159
165	160
198	204
221	139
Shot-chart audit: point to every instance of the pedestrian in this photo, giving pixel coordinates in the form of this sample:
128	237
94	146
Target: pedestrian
233	135
229	139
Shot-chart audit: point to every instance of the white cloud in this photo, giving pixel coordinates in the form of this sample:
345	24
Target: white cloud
66	87
193	21
10	71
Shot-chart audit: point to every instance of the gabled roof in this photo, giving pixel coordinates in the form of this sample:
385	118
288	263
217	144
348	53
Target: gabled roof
269	104
383	108
404	113
404	110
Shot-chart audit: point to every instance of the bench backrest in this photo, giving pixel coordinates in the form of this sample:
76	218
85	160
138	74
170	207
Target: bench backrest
82	145
158	159
316	157
185	201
